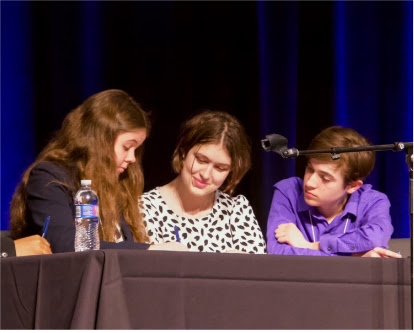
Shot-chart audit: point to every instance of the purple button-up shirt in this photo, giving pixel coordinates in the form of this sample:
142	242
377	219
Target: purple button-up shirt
364	224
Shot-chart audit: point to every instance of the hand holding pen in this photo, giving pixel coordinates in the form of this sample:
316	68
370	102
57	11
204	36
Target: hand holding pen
170	246
33	245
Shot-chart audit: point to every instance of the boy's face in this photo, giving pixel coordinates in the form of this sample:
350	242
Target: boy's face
324	186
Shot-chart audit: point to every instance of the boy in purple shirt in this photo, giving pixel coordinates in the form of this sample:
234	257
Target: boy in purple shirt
330	212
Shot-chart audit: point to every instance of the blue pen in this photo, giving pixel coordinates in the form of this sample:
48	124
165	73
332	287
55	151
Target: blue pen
45	226
177	234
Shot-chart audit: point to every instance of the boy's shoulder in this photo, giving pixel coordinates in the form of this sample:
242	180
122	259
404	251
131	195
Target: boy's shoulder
366	192
292	183
291	188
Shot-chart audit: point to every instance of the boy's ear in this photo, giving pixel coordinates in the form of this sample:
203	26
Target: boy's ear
355	185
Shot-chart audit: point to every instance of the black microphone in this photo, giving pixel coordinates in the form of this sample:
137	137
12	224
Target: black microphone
278	144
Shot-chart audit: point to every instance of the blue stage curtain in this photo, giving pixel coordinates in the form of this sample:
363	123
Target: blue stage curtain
278	37
368	51
291	68
18	148
373	89
92	58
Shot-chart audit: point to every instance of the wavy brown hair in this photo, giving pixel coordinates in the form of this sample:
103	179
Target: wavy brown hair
84	146
356	165
216	127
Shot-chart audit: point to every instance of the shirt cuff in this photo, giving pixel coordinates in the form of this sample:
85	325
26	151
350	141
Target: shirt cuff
331	244
8	248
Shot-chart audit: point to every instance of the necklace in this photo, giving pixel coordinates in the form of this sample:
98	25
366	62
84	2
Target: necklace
313	231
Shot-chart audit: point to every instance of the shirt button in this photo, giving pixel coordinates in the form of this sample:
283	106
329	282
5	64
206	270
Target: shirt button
352	247
329	248
4	254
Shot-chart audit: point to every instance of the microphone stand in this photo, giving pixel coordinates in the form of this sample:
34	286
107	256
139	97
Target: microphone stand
409	160
281	148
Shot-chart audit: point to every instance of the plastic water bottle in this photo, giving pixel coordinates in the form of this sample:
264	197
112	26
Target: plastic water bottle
86	218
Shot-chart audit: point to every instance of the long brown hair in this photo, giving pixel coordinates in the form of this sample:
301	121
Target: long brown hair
84	146
216	127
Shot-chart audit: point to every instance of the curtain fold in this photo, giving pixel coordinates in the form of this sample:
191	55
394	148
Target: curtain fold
291	68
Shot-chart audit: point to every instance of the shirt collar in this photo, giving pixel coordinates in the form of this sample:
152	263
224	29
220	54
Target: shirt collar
352	204
302	205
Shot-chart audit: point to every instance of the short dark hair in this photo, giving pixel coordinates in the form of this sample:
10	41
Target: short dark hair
356	165
216	127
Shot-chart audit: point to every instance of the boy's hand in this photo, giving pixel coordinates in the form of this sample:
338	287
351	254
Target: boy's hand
289	233
378	252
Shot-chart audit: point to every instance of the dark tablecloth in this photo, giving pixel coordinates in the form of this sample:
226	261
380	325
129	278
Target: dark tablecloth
135	289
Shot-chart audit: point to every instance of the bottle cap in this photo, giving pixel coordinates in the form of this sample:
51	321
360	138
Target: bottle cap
86	182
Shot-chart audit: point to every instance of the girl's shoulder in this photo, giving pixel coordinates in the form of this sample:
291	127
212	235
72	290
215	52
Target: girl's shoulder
154	194
151	200
50	174
53	169
229	201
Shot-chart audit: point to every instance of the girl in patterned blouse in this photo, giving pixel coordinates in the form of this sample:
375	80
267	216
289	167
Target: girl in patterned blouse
196	208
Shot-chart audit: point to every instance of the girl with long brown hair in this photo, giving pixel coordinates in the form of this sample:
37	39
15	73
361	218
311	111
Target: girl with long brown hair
100	140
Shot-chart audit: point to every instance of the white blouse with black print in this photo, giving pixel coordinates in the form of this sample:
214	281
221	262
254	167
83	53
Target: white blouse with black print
230	225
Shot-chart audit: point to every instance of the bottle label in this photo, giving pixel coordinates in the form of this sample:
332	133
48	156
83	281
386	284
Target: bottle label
87	211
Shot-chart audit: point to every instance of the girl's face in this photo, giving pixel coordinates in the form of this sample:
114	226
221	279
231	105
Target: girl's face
205	168
125	145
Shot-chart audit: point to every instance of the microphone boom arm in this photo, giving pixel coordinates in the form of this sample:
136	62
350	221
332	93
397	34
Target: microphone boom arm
278	144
